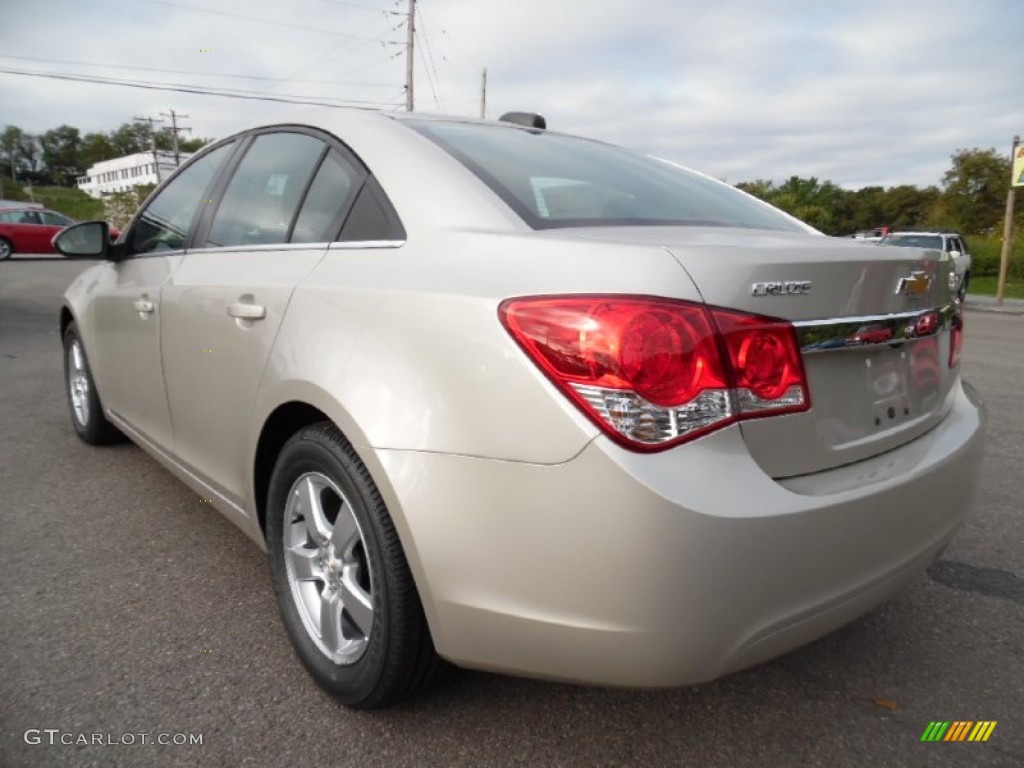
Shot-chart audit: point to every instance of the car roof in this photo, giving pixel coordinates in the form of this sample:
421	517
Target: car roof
20	205
935	233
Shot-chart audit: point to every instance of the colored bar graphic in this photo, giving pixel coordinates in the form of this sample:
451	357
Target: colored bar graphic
934	731
958	730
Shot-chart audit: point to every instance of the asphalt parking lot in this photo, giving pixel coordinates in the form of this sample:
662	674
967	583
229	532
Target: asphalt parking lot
128	608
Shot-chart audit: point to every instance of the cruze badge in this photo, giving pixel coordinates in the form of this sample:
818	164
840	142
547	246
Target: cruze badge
915	286
781	288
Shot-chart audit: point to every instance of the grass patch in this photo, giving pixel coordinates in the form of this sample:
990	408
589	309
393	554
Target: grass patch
986	286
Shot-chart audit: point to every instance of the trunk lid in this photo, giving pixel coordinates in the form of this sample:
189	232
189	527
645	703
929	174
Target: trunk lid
874	326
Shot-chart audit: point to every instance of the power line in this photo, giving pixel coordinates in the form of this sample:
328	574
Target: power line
192	72
362	7
256	19
152	142
433	80
174	133
196	90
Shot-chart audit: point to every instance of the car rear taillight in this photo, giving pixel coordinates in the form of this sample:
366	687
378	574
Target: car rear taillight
655	372
956	338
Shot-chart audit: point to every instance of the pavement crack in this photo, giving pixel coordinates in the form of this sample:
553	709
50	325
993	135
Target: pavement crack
993	582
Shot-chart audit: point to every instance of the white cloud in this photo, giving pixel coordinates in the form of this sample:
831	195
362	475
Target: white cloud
860	93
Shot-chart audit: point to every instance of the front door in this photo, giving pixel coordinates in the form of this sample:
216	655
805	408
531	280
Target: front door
128	311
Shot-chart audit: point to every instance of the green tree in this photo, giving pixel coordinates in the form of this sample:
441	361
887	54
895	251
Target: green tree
31	155
974	191
96	147
129	139
61	149
10	141
907	207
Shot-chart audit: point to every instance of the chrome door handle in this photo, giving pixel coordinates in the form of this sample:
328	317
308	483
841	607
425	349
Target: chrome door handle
145	306
247	311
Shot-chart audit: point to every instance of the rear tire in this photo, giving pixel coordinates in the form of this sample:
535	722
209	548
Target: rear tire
6	248
343	586
83	400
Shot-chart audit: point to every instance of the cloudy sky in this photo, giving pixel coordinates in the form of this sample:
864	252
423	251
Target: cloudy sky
859	92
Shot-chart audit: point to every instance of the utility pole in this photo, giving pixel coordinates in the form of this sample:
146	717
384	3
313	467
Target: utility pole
152	142
483	95
1004	256
409	103
174	132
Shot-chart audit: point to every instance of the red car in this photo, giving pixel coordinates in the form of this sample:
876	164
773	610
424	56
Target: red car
29	228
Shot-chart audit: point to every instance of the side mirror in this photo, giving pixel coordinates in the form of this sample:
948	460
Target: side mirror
955	254
86	240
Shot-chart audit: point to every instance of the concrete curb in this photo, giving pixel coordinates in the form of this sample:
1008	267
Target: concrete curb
980	303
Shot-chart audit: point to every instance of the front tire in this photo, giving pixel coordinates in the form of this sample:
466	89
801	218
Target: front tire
83	400
343	586
6	248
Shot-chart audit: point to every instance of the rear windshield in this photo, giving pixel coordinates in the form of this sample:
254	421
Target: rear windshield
914	241
552	180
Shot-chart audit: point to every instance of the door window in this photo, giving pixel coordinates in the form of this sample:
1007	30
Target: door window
55	219
165	223
260	203
328	198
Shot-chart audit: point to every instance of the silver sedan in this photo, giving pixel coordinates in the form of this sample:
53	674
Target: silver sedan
526	402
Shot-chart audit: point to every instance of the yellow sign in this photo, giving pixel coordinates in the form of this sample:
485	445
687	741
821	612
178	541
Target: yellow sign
1018	166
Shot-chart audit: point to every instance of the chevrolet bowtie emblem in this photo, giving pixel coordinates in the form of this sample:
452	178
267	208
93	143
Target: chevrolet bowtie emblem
915	286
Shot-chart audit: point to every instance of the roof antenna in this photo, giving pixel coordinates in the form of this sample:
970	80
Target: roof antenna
529	119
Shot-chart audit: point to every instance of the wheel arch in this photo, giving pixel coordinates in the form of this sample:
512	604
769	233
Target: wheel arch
66	318
307	405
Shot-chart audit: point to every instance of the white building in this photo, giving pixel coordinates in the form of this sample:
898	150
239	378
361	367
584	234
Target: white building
124	173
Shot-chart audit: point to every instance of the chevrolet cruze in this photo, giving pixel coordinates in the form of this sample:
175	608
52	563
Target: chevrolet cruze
526	402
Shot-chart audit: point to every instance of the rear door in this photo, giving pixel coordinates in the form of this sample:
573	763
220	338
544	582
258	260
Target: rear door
52	223
266	229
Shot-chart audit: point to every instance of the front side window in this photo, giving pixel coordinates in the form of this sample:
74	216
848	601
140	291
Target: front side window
265	191
165	223
552	180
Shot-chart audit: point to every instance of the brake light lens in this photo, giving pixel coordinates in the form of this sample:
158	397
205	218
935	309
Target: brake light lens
654	372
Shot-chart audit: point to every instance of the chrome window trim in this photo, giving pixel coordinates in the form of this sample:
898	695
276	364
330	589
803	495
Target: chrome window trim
341	245
261	247
839	334
337	245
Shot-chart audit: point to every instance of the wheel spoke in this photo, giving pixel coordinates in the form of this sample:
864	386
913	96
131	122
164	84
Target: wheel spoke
304	564
313	511
346	533
330	620
357	601
76	357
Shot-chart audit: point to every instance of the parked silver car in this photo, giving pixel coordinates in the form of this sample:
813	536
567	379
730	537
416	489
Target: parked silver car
952	244
524	401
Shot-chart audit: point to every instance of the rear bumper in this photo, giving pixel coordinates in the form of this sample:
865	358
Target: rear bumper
673	568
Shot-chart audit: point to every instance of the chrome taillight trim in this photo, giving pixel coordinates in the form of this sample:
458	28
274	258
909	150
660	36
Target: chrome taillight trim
845	333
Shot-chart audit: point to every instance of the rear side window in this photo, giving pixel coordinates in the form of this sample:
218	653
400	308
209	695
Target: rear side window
55	219
266	189
552	180
164	224
329	196
915	241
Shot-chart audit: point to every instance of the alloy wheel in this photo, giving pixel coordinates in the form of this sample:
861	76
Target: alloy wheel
327	570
